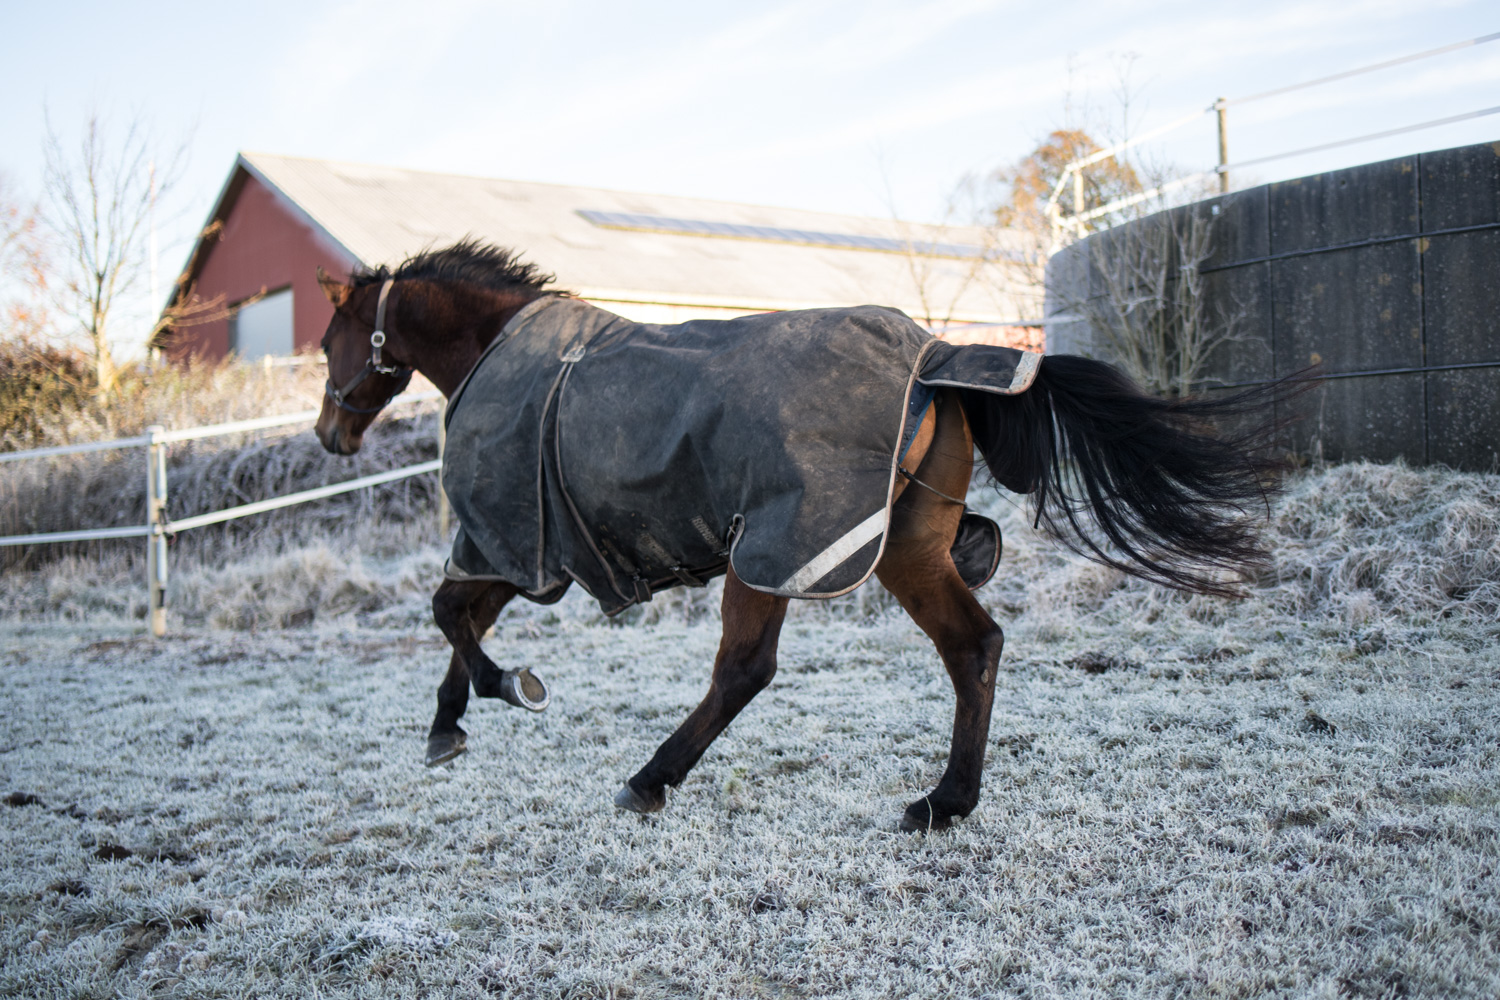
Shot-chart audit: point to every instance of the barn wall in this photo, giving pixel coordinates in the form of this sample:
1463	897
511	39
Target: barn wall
1384	275
264	246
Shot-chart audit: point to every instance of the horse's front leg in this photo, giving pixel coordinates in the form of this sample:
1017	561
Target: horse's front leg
745	665
465	610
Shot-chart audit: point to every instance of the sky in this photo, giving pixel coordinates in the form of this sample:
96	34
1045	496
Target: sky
868	107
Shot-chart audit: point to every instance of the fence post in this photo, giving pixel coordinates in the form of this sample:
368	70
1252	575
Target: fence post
1222	107
156	542
442	438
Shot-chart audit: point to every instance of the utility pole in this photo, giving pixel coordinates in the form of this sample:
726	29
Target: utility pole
1222	106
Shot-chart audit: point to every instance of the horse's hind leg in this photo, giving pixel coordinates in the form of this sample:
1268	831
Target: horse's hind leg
464	610
969	642
918	570
745	665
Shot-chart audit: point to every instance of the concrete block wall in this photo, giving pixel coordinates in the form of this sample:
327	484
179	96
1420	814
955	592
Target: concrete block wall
1387	275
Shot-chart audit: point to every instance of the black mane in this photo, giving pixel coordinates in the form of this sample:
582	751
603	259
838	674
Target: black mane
468	262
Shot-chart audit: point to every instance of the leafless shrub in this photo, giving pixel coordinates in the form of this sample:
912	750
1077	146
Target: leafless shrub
1151	314
108	489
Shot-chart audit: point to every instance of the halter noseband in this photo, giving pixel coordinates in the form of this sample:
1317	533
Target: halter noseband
373	366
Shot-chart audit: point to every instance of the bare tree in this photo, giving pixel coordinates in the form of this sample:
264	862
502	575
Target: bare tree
962	256
185	308
940	278
23	269
1153	316
101	194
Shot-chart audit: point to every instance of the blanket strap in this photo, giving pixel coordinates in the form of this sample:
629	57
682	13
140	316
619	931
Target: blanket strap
688	579
924	486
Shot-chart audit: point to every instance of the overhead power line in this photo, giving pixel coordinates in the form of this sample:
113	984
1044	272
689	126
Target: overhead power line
1470	43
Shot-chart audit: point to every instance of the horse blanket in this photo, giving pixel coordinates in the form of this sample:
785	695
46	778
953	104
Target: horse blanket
633	457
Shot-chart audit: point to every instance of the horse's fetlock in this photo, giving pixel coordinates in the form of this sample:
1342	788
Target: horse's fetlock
488	680
746	679
760	672
993	644
445	721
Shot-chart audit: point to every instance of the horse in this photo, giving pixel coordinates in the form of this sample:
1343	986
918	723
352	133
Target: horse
1154	487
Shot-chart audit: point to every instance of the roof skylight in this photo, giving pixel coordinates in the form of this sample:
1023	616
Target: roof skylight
775	234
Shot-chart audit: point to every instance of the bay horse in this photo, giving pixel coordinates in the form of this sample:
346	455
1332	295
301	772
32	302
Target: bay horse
1143	484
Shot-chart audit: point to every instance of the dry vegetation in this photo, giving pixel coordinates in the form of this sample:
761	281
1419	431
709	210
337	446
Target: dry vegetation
108	489
37	379
1290	795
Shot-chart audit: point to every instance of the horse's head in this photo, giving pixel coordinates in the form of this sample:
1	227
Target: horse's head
363	376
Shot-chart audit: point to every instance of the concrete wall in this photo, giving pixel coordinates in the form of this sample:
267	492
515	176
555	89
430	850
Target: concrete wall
1387	275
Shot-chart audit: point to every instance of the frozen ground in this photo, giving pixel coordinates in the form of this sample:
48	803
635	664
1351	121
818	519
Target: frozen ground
1294	795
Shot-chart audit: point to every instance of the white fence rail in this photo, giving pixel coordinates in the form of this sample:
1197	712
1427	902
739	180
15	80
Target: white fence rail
158	526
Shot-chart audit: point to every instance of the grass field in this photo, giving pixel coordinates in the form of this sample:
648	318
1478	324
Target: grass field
1293	795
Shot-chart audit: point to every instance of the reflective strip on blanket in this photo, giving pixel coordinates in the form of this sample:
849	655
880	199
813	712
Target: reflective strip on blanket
828	560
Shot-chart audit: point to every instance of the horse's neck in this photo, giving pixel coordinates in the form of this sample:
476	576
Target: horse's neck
459	331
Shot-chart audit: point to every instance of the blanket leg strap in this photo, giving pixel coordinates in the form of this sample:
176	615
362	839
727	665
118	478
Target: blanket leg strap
924	486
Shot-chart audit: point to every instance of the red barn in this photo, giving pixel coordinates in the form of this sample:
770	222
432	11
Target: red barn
259	257
652	258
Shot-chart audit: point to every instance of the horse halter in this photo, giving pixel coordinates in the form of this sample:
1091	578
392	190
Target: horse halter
373	366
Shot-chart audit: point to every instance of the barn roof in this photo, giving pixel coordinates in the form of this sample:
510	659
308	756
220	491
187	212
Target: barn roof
615	246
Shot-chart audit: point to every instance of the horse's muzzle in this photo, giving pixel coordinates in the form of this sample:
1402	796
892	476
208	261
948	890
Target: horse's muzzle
336	440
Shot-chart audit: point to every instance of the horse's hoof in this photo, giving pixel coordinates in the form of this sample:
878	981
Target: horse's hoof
443	747
920	818
629	798
525	689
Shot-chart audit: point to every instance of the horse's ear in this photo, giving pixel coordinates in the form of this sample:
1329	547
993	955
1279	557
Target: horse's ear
336	291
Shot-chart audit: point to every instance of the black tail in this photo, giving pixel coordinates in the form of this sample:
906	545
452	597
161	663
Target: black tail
1155	487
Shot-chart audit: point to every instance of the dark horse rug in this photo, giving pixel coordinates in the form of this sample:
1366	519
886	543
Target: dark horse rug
634	457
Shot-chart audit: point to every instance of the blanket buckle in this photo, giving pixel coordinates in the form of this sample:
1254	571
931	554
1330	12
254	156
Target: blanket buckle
687	579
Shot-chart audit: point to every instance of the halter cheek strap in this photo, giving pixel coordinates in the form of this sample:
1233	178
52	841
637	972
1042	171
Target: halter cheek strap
373	366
